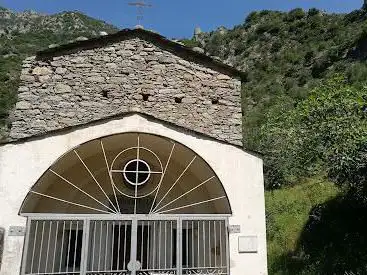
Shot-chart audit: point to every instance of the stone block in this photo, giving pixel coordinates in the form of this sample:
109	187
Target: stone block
22	89
62	88
23	105
44	78
41	71
96	79
166	60
27	78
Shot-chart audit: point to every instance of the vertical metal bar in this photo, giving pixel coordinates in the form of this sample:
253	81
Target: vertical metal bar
62	245
142	244
137	174
154	243
227	246
134	233
55	246
34	245
125	240
118	248
112	244
159	245
100	246
215	243
26	246
165	244
192	244
94	244
85	247
41	247
171	244
179	246
220	243
68	255
148	246
76	243
210	245
106	247
187	243
204	254
48	244
198	257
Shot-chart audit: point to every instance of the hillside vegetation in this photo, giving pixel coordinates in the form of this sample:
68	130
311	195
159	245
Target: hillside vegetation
22	34
305	110
288	212
286	56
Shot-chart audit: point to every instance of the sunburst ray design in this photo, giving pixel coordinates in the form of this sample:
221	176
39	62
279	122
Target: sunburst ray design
176	181
131	179
95	180
160	182
183	195
109	174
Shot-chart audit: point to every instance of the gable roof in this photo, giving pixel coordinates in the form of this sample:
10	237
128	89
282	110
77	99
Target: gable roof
157	39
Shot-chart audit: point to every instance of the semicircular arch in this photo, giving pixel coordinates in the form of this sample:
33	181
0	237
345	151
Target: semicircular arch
128	173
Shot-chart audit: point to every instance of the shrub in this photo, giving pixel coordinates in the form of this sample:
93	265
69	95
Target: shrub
326	131
295	14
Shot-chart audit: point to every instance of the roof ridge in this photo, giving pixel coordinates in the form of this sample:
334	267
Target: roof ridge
167	44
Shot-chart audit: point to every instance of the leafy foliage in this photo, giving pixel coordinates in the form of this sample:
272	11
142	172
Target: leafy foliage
332	241
287	215
288	54
302	126
327	131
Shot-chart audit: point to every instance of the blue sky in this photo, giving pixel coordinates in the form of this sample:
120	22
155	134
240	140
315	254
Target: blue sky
177	18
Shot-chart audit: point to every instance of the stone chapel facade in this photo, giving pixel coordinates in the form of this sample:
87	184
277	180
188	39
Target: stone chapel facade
124	157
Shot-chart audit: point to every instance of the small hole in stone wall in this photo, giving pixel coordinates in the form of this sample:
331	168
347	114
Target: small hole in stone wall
178	99
105	94
215	101
145	97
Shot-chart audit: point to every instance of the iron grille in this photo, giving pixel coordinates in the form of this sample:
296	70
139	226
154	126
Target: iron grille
138	246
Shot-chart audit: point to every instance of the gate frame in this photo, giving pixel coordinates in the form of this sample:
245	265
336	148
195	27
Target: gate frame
134	218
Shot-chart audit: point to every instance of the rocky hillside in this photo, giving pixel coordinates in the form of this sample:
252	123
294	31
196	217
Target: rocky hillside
12	24
286	55
22	34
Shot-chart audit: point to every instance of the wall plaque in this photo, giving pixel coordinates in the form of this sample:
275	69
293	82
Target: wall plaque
247	244
16	230
234	229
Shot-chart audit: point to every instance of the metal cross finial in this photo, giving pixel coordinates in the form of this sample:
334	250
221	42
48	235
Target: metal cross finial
140	5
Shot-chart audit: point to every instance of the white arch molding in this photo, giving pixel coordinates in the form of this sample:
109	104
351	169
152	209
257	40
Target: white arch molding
92	178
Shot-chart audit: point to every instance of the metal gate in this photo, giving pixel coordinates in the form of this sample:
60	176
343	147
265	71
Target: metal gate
122	244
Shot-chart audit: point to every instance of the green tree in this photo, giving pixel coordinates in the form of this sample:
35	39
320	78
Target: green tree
327	131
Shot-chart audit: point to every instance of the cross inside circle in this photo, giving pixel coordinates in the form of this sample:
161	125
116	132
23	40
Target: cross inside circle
137	172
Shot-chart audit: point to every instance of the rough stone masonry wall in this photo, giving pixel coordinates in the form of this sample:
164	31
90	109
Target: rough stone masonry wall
129	76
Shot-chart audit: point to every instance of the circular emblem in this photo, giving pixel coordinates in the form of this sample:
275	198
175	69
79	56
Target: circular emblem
136	172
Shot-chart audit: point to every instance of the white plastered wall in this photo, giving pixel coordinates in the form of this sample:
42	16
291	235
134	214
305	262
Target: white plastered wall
241	174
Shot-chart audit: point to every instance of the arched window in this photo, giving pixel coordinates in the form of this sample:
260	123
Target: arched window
129	174
130	203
